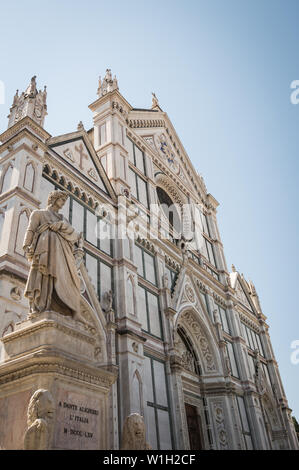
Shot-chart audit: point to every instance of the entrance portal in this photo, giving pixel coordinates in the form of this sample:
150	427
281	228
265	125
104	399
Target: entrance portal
194	427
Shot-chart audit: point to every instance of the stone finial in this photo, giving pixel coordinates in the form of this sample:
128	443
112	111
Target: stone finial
80	126
31	90
115	83
16	97
233	268
107	84
255	297
32	103
155	102
252	288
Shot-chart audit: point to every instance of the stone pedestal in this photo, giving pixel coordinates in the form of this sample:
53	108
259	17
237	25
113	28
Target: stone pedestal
56	355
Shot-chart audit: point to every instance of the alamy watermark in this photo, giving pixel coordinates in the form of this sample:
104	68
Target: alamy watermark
294	97
295	353
176	222
2	92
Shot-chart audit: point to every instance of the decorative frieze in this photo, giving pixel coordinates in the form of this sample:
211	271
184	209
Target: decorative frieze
220	425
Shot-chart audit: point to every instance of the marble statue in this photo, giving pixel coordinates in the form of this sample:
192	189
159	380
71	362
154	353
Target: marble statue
133	436
259	373
216	316
165	281
109	300
39	420
53	282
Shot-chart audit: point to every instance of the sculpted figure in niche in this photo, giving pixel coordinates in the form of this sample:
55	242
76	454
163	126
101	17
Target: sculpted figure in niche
165	281
133	436
53	282
39	420
108	300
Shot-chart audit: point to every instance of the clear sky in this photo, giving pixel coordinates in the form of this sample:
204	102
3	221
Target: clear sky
222	71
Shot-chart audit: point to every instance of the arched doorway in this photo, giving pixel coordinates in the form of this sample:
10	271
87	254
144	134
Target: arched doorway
194	427
191	373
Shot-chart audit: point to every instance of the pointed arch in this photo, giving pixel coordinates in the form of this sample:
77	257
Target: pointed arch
137	394
5	183
164	182
184	297
29	176
8	328
203	340
23	220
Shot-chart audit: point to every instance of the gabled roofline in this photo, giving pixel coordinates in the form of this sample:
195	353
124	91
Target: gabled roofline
162	115
239	278
55	141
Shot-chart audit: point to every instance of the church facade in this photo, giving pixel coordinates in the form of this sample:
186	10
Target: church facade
186	338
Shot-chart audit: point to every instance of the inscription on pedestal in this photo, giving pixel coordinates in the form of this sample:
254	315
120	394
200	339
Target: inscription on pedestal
78	421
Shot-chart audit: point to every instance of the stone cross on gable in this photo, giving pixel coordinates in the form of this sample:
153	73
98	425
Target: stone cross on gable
82	155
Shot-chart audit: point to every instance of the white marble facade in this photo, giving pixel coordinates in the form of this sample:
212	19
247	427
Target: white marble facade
188	336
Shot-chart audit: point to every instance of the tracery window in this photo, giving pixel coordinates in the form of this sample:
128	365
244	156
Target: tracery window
206	246
170	209
145	264
252	338
172	277
137	173
223	319
149	312
100	274
138	187
136	156
157	411
244	423
232	359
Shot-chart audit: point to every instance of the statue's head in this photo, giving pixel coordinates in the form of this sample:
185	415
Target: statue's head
133	432
57	198
41	406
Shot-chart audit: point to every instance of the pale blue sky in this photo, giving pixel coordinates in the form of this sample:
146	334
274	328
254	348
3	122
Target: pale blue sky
222	71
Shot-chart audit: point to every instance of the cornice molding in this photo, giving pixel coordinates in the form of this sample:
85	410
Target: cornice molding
30	366
19	126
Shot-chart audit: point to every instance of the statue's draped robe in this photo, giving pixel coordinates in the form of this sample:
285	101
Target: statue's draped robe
53	282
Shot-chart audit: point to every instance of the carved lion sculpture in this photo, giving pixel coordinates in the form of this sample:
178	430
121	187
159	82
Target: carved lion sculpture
39	420
133	436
